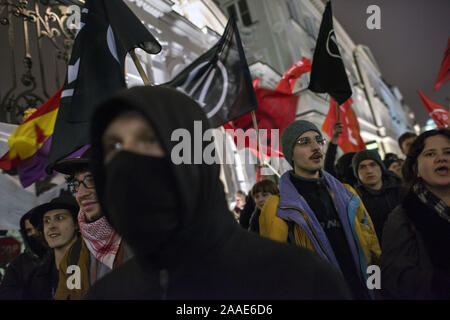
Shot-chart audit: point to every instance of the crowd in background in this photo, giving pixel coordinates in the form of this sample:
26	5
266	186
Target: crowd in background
136	226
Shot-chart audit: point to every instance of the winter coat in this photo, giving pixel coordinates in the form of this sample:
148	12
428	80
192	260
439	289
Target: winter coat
15	284
278	213
379	203
254	221
407	271
210	257
30	279
80	255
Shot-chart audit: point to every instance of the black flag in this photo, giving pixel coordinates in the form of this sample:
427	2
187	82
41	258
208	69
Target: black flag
219	80
328	71
109	29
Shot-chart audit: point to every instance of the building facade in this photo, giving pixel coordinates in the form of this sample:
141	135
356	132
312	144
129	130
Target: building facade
275	34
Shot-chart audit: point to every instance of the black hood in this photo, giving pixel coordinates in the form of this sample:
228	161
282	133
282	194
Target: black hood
204	216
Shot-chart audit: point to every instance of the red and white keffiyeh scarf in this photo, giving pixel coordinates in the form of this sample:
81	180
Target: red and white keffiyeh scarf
100	238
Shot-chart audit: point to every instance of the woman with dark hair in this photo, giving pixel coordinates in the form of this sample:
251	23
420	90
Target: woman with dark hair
415	260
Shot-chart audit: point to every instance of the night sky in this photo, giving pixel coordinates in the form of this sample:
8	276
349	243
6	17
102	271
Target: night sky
409	47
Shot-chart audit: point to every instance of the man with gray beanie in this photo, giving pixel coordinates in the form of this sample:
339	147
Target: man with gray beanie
380	189
318	212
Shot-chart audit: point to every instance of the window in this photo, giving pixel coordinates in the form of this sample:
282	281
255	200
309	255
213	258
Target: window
231	11
244	17
245	13
292	11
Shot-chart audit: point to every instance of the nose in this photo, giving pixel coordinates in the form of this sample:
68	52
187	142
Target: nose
82	191
442	157
32	233
131	145
51	224
316	145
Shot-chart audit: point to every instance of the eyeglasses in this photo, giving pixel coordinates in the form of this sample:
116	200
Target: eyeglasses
307	141
88	183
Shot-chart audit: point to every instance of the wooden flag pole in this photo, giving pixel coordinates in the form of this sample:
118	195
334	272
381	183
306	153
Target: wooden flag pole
262	162
139	68
255	125
338	112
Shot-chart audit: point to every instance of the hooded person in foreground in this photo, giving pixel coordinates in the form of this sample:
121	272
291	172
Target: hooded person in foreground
175	217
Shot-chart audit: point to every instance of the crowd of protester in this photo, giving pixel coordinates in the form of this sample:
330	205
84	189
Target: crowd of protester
137	226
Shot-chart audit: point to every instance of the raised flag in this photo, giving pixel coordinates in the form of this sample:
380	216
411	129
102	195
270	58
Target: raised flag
30	141
444	72
96	69
287	82
219	80
275	110
438	113
350	139
328	71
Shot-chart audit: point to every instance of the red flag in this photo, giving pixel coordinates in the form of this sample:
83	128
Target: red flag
350	139
287	83
444	73
6	163
438	113
275	110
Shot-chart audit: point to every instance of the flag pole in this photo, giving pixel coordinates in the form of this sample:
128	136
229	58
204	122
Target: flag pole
139	68
338	111
262	162
255	124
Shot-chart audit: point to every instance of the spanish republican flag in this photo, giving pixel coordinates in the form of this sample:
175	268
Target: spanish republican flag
30	136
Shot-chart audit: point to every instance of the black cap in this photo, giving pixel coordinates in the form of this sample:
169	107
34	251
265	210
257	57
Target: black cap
63	201
70	166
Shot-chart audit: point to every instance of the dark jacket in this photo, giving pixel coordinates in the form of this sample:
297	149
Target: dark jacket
30	278
342	170
413	237
254	221
246	213
17	276
379	203
207	256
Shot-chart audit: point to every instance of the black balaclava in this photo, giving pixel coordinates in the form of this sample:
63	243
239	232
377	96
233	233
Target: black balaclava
167	213
151	199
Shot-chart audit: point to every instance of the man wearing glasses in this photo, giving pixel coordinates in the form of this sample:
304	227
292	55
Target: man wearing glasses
102	245
318	212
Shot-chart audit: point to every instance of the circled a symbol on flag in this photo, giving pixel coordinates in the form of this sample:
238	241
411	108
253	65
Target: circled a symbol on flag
332	49
205	86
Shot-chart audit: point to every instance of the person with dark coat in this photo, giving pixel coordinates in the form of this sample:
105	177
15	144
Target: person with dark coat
56	220
14	285
342	170
415	263
102	249
380	190
175	216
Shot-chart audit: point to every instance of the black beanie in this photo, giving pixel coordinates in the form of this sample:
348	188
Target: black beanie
366	155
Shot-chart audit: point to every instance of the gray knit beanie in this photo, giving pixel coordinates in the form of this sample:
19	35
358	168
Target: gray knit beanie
291	134
366	155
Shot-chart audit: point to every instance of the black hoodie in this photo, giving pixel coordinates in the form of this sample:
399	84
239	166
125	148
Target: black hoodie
210	257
